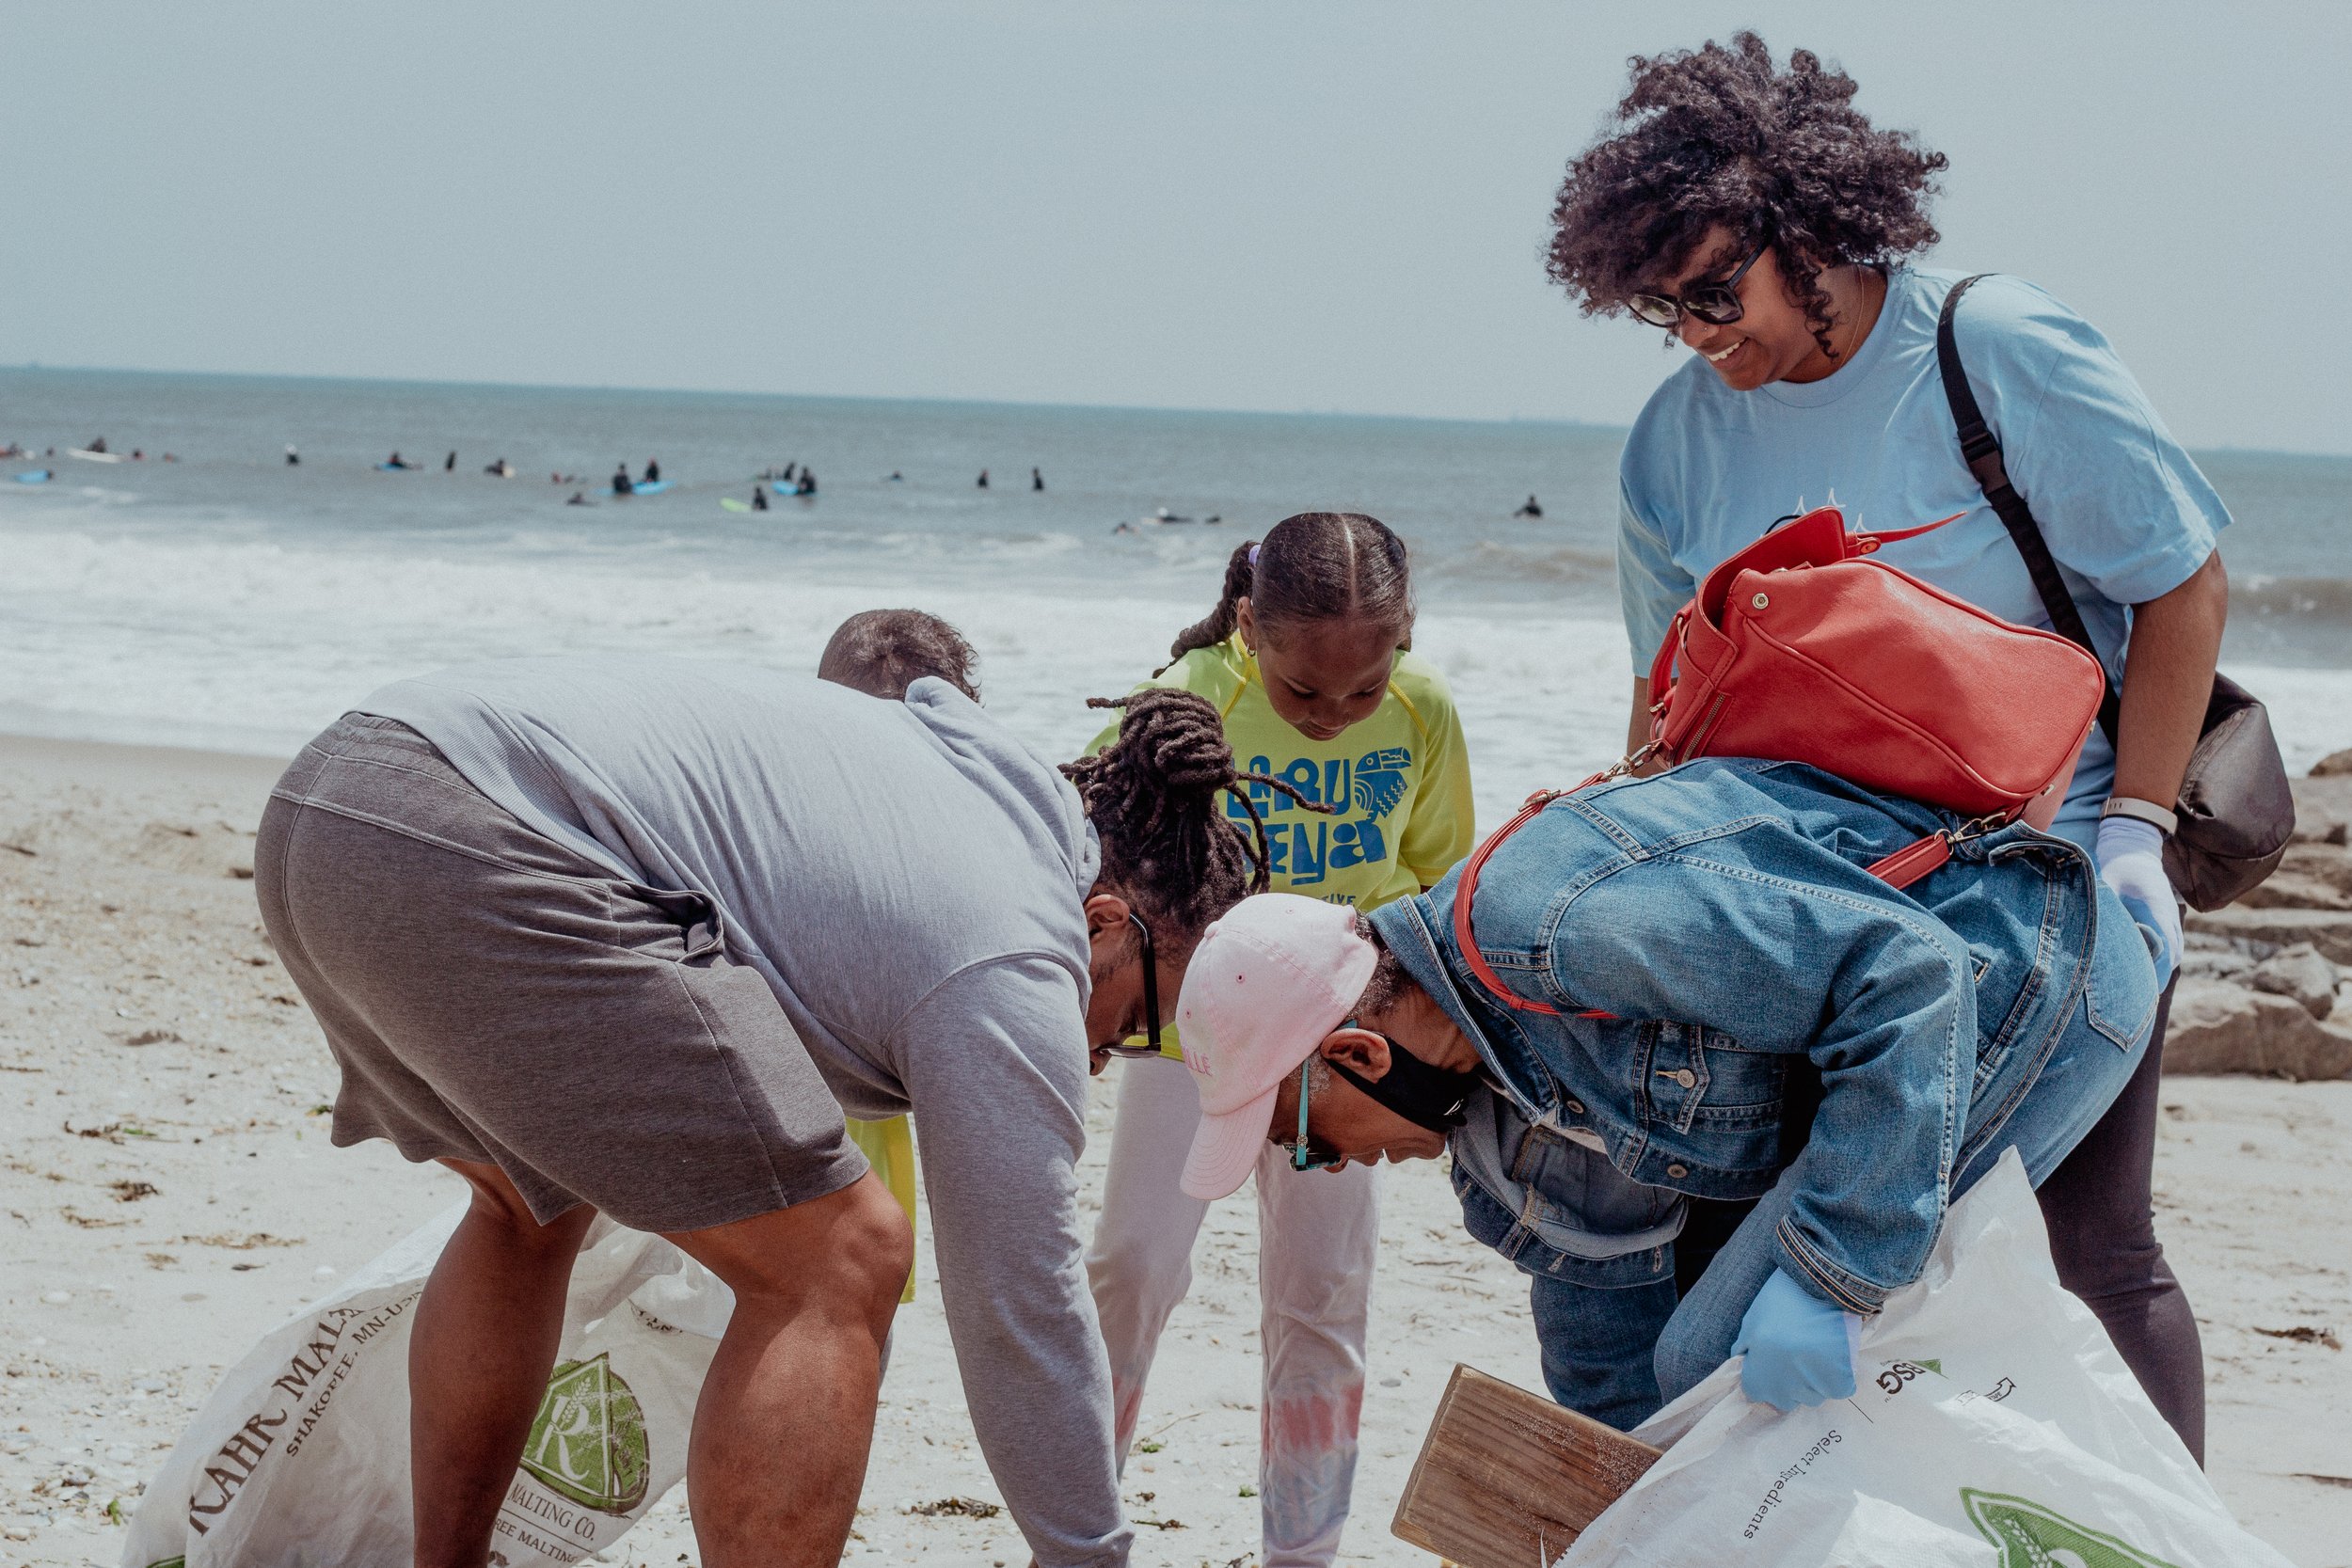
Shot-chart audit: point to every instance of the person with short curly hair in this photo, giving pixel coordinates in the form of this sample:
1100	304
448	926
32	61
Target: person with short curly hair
1749	209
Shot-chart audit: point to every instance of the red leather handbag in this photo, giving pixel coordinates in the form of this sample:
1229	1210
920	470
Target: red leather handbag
1800	648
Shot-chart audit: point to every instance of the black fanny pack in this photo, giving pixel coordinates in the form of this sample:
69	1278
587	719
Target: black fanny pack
2236	812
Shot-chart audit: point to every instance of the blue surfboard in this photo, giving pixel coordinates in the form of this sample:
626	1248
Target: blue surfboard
655	489
33	476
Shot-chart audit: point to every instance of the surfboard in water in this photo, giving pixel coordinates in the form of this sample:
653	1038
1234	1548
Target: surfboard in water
655	489
89	456
33	476
396	467
734	505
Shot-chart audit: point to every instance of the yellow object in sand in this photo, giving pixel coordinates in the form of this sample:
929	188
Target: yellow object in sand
889	1147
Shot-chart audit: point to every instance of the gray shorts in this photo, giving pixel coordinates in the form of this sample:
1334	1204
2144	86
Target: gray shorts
493	996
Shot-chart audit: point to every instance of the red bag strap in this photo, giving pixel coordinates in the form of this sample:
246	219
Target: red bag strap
1661	665
1479	967
1899	870
1867	544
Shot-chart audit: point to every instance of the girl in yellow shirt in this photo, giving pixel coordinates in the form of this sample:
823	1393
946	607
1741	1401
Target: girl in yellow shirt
1307	657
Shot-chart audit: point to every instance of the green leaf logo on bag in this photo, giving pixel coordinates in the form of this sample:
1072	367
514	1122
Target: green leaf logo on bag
2028	1535
588	1443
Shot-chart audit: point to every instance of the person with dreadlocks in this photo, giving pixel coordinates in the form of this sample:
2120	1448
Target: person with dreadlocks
628	936
1749	210
1367	799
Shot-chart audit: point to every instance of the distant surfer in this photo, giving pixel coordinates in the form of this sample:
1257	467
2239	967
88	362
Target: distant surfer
293	458
1530	510
653	470
396	461
983	484
807	486
1036	481
621	485
759	499
897	477
500	470
100	445
580	498
449	463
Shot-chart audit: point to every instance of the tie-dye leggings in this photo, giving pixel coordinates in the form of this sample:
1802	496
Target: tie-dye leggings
1318	1235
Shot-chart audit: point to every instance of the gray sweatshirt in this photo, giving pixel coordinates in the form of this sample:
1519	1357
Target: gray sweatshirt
908	878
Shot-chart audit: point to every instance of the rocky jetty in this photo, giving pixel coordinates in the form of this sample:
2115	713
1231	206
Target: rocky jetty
2267	984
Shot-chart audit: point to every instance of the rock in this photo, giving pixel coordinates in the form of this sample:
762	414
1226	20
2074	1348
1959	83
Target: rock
2323	809
2300	975
2329	930
2287	889
2211	958
2334	765
2217	1027
2315	874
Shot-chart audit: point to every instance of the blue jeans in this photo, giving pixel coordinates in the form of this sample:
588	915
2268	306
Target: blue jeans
1598	1345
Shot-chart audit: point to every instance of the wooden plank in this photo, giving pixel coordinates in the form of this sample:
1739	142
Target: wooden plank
1507	1479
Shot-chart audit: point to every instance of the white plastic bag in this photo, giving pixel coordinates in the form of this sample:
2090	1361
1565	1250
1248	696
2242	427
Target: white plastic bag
1994	1427
301	1455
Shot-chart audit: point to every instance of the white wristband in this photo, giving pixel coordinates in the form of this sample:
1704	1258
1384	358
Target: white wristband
2165	822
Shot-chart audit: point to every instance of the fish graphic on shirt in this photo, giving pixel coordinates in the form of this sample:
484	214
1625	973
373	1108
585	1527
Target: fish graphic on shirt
1379	783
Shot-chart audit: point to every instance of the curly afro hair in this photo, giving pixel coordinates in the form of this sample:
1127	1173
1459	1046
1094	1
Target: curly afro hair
1719	136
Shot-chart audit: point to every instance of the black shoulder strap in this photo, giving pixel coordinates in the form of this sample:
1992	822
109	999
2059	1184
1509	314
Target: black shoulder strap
1981	451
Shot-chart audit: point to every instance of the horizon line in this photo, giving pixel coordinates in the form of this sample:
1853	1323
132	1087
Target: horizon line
1559	422
39	368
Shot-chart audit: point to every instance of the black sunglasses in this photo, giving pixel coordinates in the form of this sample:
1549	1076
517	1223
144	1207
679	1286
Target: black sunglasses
1151	1000
1716	304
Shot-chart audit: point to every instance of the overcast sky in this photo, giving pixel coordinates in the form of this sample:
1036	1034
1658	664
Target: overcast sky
1281	206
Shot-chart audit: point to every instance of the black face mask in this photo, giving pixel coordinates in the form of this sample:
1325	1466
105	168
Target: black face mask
1425	1096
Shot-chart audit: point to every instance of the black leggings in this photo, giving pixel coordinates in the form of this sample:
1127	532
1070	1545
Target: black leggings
2103	1237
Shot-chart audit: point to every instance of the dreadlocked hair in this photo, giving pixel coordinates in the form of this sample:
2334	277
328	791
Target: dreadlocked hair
1718	136
1151	794
1314	567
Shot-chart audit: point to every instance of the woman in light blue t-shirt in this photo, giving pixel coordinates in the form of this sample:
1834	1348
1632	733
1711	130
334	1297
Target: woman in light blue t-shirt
1751	212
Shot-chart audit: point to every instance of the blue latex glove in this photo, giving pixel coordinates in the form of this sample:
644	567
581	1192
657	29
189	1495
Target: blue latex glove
2131	861
1799	1348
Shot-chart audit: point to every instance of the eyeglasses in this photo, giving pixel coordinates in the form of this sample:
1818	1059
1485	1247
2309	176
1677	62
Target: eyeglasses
1303	1156
1716	304
1150	998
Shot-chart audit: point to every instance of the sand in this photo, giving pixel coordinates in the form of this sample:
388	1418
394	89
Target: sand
167	1190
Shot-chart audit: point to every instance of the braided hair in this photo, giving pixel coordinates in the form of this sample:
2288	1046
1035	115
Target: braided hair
1151	794
1314	567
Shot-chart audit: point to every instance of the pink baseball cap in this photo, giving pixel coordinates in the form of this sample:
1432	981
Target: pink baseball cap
1266	985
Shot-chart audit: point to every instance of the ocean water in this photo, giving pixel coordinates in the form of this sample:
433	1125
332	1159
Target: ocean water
227	599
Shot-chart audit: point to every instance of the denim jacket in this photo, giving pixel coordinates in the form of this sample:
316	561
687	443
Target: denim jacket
1721	919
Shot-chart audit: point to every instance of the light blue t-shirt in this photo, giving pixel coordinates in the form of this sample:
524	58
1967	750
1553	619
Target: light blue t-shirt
2127	514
